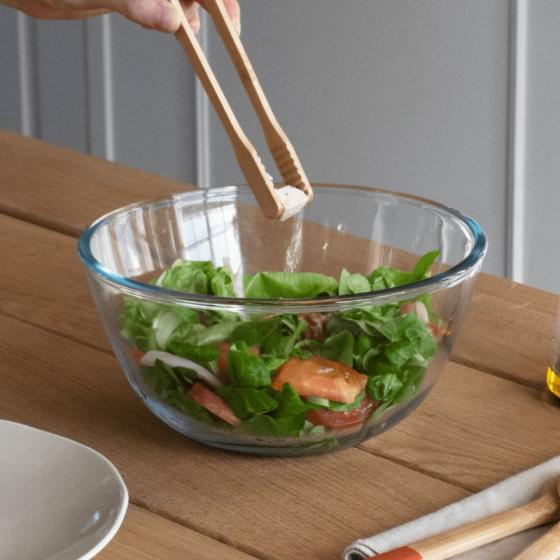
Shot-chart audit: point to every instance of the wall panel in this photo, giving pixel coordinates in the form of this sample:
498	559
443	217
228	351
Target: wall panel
542	167
154	102
10	94
61	83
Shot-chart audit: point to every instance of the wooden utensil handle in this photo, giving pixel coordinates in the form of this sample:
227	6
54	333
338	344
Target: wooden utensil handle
236	50
546	548
247	157
478	533
277	140
404	553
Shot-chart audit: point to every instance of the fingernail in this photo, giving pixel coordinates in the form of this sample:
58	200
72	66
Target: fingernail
168	19
195	24
237	25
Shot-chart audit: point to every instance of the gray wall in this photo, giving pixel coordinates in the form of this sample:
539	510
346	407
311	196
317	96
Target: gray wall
452	100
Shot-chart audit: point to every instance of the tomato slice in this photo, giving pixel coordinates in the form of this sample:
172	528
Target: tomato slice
223	348
438	331
333	419
214	404
416	308
137	355
319	377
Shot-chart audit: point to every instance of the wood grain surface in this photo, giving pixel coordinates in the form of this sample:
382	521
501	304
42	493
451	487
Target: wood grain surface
147	536
64	190
474	429
486	419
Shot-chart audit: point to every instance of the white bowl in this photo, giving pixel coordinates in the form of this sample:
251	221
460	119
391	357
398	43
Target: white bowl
59	500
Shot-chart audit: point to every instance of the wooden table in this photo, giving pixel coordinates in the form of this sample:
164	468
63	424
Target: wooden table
487	418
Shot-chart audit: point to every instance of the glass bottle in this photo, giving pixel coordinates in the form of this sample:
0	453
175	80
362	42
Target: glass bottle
553	372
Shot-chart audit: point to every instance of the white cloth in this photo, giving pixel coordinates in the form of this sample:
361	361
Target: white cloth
508	494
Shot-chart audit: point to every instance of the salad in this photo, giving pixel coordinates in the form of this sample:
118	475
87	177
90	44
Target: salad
283	375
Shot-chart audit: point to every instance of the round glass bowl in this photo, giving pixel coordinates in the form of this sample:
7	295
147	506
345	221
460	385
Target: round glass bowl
282	375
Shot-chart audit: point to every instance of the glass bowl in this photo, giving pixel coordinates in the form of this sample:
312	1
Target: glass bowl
296	368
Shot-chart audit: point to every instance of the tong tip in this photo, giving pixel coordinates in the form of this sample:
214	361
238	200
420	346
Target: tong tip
293	200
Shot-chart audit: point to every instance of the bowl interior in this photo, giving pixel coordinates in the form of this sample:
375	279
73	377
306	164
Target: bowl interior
355	228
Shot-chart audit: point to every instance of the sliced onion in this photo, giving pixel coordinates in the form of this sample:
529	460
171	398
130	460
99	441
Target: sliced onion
164	325
422	312
149	360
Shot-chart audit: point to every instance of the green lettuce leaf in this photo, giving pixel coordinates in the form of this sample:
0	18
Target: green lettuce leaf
288	420
199	354
255	332
172	384
263	425
216	333
247	401
165	380
272	285
185	403
188	276
281	343
199	277
221	283
424	264
187	315
395	388
384	387
383	277
290	415
136	322
339	347
412	380
246	369
352	283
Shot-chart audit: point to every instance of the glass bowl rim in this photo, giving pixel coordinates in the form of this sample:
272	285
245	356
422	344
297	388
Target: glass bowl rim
442	280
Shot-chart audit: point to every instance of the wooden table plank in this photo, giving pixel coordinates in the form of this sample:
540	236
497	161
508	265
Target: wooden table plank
43	270
274	508
146	536
474	429
65	190
508	330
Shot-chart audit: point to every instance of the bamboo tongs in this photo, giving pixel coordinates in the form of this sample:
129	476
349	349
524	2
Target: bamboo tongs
275	203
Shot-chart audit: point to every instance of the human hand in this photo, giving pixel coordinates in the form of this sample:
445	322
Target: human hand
151	14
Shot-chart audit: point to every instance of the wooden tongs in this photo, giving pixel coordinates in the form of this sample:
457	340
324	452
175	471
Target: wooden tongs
276	203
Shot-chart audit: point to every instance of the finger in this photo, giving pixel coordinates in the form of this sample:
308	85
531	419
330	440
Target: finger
232	6
151	14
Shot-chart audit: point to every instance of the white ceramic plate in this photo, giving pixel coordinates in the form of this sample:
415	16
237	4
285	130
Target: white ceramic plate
59	500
